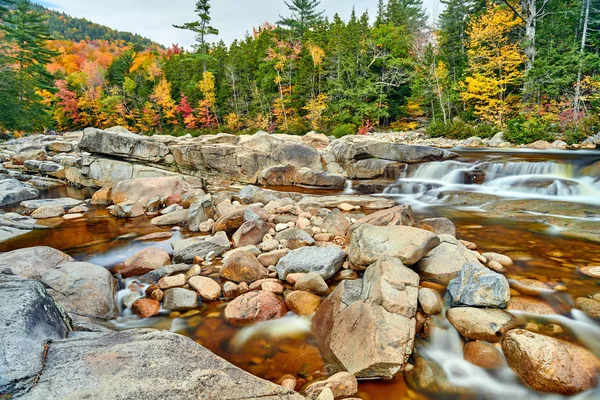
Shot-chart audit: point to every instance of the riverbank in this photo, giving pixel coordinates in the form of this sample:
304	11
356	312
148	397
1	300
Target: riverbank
240	269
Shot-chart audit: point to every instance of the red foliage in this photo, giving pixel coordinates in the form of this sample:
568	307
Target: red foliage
366	127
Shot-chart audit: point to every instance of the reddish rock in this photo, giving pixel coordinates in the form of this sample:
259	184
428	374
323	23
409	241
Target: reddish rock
146	308
482	354
242	266
145	261
302	303
255	307
172	199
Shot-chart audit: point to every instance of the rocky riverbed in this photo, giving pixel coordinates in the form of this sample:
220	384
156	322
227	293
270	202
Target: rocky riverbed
323	294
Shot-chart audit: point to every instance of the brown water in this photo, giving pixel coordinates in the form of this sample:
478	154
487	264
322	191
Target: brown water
273	352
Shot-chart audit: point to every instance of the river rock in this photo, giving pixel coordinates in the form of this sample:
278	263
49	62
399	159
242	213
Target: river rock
254	307
482	354
312	282
155	275
179	299
430	301
399	215
302	303
530	305
230	222
588	306
169	282
29	154
84	289
122	143
32	262
140	190
218	244
193	371
12	191
342	386
66	203
242	266
207	288
146	308
550	365
393	286
200	212
179	217
250	233
325	261
369	243
272	257
128	209
29	318
439	226
485	324
294	238
503	260
336	223
48	212
478	286
145	261
443	263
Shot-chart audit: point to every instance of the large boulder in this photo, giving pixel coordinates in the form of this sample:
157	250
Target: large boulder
141	363
145	261
83	288
199	212
336	223
486	324
254	307
369	243
12	191
141	190
550	365
32	262
325	261
121	143
478	286
250	233
399	215
242	266
443	263
29	318
64	202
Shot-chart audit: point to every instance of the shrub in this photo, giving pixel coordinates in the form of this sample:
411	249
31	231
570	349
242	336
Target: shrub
525	130
404	125
456	129
344	130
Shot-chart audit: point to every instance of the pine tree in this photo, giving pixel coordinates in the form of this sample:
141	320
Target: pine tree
202	27
408	13
304	16
26	34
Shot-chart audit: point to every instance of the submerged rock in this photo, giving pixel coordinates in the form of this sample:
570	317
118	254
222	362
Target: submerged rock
485	324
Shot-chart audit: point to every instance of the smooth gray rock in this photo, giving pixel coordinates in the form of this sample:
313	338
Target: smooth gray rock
199	212
31	262
29	318
123	144
217	243
180	299
168	270
325	261
65	202
12	191
478	286
294	238
142	364
83	288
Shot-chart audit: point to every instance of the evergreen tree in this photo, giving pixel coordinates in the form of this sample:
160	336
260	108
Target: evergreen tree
304	16
408	13
201	28
26	34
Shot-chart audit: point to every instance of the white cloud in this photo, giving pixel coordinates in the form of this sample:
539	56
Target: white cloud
155	18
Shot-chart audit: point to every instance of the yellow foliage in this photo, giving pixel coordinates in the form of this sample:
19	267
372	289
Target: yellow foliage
260	122
207	87
414	110
316	107
494	62
162	97
404	125
233	122
317	54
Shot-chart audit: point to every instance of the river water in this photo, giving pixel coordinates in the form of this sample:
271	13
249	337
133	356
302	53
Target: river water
532	207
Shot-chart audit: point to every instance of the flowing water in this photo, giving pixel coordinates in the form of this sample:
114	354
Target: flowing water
478	191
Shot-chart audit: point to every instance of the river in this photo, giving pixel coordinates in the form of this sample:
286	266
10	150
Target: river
540	208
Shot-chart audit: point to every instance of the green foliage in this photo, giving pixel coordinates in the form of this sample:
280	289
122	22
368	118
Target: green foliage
525	130
304	16
344	130
577	131
460	130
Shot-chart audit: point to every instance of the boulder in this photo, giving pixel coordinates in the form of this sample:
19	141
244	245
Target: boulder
200	212
12	191
179	299
137	362
393	286
443	263
32	262
207	288
439	226
155	275
342	386
47	212
254	307
218	244
242	266
325	261
29	318
483	354
312	282
179	217
66	203
123	144
302	303
368	243
83	289
146	308
294	238
550	365
318	179
485	324
230	222
478	286
128	209
336	223
430	301
28	154
145	261
141	190
400	215
250	233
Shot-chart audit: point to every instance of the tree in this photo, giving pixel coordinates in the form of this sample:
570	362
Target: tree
494	63
202	27
304	16
406	13
26	35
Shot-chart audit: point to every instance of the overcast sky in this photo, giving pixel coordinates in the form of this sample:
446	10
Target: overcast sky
233	18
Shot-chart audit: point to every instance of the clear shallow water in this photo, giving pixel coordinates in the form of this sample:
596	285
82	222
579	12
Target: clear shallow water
273	349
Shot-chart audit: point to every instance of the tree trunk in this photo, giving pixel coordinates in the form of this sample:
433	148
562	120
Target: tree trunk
530	15
586	17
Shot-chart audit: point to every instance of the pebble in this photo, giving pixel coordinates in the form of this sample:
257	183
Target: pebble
346	207
207	288
281	227
496	267
592	271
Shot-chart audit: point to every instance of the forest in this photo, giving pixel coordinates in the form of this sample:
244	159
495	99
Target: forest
527	67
